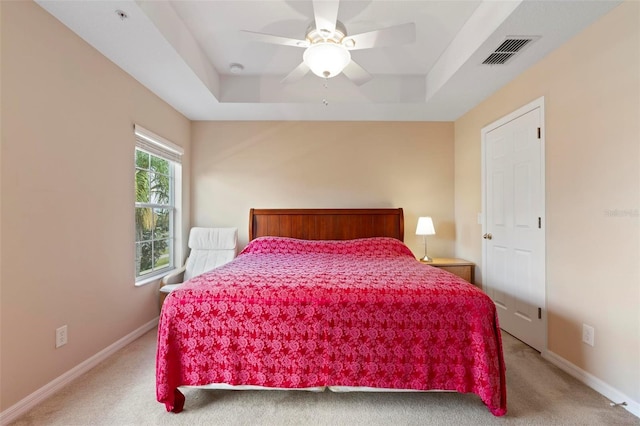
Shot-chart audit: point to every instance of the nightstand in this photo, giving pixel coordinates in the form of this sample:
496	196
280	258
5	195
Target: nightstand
460	267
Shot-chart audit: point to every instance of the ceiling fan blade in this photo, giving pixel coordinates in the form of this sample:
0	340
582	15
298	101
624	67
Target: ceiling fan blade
274	39
326	14
391	36
295	75
356	73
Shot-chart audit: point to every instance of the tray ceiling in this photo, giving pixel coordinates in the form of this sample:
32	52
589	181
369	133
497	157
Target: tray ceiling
184	51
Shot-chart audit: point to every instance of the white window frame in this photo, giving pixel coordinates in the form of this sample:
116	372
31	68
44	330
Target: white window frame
158	146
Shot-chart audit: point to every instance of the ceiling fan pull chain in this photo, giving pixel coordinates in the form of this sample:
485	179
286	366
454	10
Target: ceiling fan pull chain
325	85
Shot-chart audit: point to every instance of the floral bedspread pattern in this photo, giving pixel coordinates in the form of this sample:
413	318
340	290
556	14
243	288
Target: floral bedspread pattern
295	313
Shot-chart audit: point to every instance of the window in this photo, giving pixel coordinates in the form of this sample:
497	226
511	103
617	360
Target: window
156	165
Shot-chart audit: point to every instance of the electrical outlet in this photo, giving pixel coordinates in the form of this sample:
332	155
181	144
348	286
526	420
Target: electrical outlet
588	335
61	336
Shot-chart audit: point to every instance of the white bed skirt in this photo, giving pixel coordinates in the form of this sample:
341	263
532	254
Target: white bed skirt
338	389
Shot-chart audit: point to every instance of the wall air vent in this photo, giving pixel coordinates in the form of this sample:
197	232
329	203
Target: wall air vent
508	49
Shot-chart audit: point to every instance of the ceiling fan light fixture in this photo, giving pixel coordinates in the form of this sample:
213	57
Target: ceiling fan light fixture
326	59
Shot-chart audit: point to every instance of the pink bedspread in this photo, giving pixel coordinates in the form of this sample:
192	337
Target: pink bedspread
294	313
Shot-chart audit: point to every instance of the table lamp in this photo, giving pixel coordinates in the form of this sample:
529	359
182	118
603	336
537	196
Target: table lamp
424	228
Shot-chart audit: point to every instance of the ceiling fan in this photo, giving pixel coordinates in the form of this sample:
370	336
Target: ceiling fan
327	44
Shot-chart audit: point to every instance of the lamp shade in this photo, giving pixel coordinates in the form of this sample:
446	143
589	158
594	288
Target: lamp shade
425	226
326	59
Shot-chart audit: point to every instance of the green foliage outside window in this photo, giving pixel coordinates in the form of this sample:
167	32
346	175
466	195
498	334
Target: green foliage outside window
153	212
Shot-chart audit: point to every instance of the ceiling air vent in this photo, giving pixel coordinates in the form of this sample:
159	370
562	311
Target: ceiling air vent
508	49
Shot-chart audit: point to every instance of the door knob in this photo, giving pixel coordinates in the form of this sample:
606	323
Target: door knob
487	236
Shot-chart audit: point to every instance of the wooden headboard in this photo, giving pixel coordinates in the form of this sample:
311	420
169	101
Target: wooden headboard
326	224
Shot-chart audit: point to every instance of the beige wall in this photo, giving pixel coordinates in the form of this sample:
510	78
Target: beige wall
239	165
591	87
67	199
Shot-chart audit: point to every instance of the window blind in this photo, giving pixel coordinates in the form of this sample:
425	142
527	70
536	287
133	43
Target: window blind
157	145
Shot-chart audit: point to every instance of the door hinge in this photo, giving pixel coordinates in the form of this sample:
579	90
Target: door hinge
539	313
539	223
539	133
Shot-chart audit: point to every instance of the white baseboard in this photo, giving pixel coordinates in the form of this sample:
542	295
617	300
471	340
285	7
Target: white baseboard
593	382
26	404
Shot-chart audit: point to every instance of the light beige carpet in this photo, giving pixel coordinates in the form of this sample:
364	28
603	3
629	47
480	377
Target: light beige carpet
121	391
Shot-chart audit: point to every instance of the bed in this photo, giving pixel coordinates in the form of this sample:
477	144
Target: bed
329	299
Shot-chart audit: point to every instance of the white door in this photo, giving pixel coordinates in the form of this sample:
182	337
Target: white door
514	263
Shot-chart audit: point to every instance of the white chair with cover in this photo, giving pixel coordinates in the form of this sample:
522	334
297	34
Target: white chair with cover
210	248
